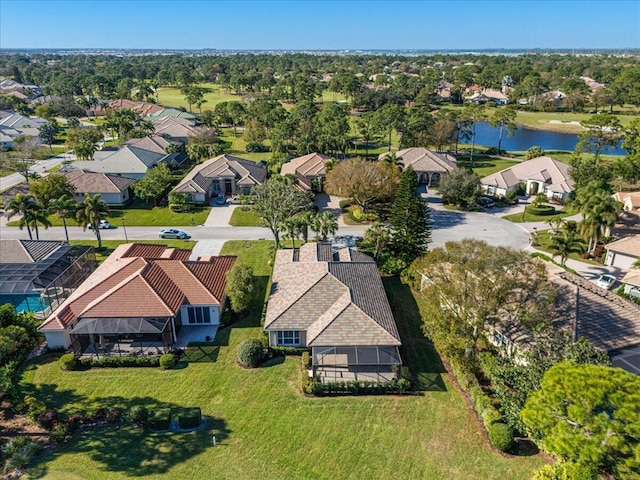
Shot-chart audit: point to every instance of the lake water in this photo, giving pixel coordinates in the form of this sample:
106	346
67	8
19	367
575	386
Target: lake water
524	138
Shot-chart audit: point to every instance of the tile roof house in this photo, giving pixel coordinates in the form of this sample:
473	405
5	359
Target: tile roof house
335	304
154	143
23	187
223	174
175	129
538	175
623	253
630	200
128	161
113	189
142	297
37	275
428	165
309	170
13	125
142	109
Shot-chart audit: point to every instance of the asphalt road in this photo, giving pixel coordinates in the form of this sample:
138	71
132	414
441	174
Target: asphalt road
446	226
39	167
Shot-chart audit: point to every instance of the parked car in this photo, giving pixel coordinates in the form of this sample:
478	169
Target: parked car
221	200
235	200
103	225
172	233
486	202
606	281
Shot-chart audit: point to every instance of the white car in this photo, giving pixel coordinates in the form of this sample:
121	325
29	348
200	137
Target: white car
606	281
172	233
103	225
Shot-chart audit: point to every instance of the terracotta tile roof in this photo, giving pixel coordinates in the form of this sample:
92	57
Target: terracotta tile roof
632	277
338	300
140	280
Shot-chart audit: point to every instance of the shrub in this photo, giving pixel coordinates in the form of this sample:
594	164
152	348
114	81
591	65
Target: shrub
289	350
250	352
19	452
113	415
58	434
565	470
116	362
391	265
74	422
227	317
160	419
167	361
189	418
34	408
48	419
139	415
500	435
542	210
306	360
346	203
258	147
67	361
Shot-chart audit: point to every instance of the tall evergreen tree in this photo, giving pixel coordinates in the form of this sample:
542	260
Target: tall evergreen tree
410	219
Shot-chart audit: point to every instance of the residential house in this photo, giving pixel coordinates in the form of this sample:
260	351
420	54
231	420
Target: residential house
489	95
623	253
13	125
223	174
538	175
142	109
335	304
142	298
173	113
160	144
309	171
175	129
113	189
630	200
428	165
128	161
37	275
23	188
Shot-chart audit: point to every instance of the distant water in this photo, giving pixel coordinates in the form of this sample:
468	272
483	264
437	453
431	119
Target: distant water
525	138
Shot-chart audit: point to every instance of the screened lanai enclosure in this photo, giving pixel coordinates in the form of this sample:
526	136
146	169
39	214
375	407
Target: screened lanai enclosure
340	364
40	286
123	336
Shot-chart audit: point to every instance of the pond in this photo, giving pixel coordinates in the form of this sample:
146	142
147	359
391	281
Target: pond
525	138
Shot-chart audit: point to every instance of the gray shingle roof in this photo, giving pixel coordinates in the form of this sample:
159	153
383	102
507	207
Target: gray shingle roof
337	298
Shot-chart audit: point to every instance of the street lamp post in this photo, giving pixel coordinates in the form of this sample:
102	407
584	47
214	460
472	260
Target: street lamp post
124	227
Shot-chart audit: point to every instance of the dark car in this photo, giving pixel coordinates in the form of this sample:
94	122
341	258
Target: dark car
486	202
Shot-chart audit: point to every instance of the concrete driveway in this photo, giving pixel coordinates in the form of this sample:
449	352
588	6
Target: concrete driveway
219	215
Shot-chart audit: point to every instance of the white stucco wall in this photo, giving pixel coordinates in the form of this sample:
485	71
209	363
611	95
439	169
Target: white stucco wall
58	339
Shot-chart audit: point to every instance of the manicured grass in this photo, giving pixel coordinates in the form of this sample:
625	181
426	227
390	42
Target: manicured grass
143	215
108	246
484	166
264	427
543	241
528	217
248	218
239	146
173	97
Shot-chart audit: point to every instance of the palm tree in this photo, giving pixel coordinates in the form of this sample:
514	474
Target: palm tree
65	207
147	127
85	150
566	244
292	228
378	235
25	206
600	212
91	211
325	224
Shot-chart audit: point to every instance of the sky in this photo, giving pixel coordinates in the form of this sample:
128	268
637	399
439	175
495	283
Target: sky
320	25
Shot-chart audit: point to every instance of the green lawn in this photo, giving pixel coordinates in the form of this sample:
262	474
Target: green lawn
484	166
241	218
173	97
143	215
264	427
109	246
528	217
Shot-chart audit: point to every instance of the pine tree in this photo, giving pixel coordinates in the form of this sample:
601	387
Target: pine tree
409	220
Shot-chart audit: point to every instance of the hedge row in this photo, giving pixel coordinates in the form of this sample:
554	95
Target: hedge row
160	419
356	387
500	434
115	362
540	210
289	350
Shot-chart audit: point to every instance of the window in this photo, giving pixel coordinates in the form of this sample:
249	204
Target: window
289	338
199	315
